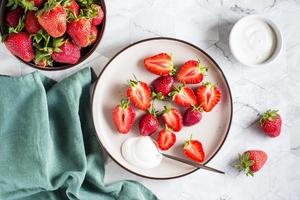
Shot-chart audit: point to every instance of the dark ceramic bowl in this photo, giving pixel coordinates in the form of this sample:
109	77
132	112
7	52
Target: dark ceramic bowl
85	52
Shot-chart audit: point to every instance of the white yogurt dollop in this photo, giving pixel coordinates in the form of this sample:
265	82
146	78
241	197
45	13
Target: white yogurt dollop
253	41
141	152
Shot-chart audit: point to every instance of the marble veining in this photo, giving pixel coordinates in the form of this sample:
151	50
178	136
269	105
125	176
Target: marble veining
207	24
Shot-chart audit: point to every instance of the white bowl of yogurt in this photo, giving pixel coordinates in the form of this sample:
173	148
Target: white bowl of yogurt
255	41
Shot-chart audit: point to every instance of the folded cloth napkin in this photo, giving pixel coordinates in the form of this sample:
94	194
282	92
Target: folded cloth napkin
48	148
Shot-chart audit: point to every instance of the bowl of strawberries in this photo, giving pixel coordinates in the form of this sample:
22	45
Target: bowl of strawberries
52	34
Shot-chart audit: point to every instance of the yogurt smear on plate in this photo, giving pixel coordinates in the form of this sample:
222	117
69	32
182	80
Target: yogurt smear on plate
141	152
253	41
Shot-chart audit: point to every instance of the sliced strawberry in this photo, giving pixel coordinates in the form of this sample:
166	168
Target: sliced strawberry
123	116
172	118
160	64
139	93
193	149
208	96
184	96
191	72
166	139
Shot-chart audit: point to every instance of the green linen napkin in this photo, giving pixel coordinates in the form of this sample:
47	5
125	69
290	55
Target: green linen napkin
48	148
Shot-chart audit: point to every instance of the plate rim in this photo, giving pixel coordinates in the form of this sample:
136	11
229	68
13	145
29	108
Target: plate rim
171	39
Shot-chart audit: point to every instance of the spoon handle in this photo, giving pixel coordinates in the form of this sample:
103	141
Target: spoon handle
194	164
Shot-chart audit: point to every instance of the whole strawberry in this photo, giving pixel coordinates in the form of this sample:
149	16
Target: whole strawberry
53	18
192	116
271	123
80	31
69	53
123	116
163	86
251	161
13	16
73	7
20	44
31	23
148	124
99	14
37	3
94	34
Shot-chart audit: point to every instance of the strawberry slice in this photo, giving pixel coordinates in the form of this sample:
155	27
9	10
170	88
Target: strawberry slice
123	116
139	93
172	118
184	96
193	149
166	139
160	64
191	72
208	96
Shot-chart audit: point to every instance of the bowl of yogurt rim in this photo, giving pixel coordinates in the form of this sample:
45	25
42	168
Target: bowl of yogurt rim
255	41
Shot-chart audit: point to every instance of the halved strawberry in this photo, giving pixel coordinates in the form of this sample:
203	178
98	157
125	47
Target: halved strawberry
208	96
123	116
166	139
191	72
172	118
193	149
160	64
139	93
184	96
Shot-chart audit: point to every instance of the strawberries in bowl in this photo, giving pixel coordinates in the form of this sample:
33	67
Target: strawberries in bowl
53	34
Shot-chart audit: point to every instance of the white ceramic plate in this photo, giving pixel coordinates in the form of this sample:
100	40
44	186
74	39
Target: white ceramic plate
111	87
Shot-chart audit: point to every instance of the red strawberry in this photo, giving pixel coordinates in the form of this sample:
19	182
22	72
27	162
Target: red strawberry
20	45
53	20
191	72
148	124
166	139
94	34
163	86
70	53
192	116
37	3
99	14
172	118
31	23
193	149
271	123
80	31
139	93
160	64
184	96
13	17
208	96
73	7
123	116
251	161
42	63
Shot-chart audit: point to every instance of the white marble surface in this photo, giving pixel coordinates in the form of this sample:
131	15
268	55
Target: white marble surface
207	23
